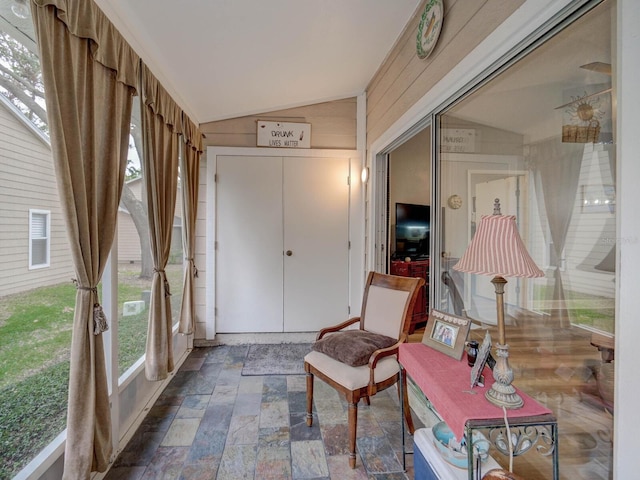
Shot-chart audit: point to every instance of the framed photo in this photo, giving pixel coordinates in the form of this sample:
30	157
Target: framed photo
598	199
446	333
481	359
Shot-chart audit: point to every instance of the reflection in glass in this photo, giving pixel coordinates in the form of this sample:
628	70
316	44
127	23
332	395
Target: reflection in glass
539	138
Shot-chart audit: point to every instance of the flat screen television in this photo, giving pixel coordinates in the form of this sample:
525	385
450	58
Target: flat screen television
412	230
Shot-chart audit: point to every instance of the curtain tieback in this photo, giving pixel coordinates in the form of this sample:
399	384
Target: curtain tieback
99	318
167	290
194	271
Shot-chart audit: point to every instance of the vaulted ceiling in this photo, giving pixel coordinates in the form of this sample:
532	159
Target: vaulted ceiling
228	58
223	59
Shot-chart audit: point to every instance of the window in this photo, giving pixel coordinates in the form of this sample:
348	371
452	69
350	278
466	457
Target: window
39	238
539	136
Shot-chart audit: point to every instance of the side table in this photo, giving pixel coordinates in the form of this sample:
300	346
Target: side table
445	382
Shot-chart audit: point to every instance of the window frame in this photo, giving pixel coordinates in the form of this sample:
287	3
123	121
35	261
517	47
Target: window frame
47	238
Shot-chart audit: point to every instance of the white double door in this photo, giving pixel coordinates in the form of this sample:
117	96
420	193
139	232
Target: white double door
282	256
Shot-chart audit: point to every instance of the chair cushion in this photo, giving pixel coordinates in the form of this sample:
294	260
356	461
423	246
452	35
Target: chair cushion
352	378
353	347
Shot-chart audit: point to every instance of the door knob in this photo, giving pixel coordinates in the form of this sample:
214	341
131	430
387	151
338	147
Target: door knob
289	253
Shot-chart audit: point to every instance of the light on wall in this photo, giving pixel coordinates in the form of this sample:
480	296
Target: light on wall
364	174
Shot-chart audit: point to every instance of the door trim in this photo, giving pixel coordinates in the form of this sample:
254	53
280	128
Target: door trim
356	219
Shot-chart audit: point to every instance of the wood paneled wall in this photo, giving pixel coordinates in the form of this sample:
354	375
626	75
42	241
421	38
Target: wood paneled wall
404	78
333	125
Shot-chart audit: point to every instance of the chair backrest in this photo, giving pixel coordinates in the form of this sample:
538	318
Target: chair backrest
388	303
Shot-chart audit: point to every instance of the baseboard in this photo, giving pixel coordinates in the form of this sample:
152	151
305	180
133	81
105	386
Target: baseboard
256	338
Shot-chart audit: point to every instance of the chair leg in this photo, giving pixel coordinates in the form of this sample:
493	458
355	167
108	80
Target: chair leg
353	428
405	401
309	399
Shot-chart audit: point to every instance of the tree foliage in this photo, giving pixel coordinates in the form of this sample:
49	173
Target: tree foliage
21	80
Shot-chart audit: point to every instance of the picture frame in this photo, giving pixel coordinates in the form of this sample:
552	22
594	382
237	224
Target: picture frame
446	333
598	199
484	351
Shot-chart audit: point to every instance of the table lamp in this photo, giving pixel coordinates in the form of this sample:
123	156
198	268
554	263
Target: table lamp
497	249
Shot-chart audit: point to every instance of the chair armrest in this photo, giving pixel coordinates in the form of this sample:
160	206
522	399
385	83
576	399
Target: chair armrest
337	328
379	355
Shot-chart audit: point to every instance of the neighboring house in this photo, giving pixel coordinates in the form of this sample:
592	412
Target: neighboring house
128	239
34	249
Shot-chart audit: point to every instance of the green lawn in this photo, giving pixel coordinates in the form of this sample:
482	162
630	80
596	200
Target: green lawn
35	340
590	311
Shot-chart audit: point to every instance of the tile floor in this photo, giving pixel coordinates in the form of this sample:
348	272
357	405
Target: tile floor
213	423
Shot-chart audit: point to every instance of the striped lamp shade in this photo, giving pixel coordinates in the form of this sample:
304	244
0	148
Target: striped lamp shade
497	249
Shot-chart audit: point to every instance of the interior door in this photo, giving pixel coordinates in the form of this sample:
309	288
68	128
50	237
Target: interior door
316	242
282	257
249	269
508	191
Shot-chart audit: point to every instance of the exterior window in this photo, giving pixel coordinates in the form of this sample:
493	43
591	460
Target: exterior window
39	227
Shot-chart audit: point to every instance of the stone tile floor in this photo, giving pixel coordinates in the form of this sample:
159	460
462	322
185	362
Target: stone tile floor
213	423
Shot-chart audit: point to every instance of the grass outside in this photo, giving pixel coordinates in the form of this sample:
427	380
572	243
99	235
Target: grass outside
35	333
589	311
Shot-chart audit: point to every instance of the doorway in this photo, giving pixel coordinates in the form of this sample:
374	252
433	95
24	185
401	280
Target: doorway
403	176
271	205
280	249
510	188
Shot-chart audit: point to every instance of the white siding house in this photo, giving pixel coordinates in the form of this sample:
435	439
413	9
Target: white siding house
36	256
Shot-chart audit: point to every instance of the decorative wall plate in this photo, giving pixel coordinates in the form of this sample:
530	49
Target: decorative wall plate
429	28
455	201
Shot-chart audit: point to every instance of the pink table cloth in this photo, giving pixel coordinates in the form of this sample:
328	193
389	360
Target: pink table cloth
446	383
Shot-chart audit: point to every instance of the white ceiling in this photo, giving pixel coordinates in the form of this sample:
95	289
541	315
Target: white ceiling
228	58
223	59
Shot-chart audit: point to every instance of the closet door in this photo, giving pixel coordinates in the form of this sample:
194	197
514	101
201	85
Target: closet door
316	242
249	268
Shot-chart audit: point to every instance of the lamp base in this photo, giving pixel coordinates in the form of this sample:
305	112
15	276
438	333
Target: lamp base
502	393
504	396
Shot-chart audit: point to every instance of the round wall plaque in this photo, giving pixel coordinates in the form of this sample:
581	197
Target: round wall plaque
455	201
429	27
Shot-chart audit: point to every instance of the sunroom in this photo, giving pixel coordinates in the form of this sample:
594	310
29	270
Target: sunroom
521	101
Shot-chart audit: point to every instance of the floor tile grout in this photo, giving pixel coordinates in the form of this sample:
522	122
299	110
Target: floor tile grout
213	423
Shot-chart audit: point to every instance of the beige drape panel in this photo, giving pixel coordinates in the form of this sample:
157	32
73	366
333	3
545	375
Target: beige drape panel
190	176
161	126
557	168
89	88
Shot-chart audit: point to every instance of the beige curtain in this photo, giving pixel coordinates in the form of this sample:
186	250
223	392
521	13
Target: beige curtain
557	168
161	129
89	76
190	179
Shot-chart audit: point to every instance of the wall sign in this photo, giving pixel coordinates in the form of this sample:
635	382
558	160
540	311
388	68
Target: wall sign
284	135
458	140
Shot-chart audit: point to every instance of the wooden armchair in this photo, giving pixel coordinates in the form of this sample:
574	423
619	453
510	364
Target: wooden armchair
387	307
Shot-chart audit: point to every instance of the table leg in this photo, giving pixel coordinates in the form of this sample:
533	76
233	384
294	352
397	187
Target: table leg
402	393
556	455
468	433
